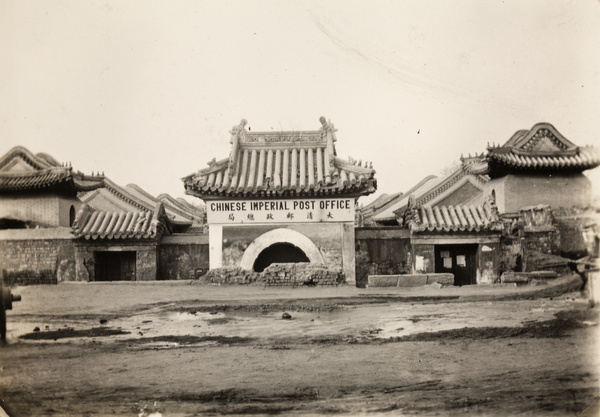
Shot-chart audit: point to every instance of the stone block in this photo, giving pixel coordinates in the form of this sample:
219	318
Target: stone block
543	274
382	281
442	278
510	277
412	280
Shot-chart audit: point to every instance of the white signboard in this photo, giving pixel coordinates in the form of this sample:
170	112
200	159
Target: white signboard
280	211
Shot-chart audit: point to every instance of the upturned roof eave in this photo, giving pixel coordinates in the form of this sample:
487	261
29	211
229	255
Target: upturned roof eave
287	194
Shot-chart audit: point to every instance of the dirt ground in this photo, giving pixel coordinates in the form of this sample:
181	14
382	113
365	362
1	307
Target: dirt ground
188	350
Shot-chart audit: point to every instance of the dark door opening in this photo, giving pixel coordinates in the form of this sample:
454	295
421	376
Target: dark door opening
279	253
115	266
461	260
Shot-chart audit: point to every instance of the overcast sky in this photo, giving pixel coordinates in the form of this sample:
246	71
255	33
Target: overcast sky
147	91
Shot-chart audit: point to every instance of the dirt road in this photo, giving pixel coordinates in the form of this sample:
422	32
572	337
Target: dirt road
175	351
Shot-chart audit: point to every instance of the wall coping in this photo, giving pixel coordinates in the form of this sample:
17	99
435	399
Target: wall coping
185	239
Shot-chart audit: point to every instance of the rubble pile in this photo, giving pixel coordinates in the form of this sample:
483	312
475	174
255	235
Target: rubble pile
277	275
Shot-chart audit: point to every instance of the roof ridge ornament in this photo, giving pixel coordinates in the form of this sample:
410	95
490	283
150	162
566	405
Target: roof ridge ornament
239	129
328	132
327	127
237	132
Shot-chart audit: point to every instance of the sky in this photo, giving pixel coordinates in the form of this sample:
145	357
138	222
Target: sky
147	91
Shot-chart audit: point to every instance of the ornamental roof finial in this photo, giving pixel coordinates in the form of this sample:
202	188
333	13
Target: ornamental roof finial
327	127
237	129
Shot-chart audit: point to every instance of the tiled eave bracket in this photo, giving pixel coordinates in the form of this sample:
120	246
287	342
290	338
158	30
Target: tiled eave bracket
480	218
282	164
138	225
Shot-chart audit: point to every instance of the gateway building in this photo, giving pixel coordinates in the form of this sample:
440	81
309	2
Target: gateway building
282	198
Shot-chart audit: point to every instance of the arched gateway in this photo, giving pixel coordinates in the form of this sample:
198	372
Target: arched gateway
280	237
282	197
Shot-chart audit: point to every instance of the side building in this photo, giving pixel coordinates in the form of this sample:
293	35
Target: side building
57	224
38	205
520	207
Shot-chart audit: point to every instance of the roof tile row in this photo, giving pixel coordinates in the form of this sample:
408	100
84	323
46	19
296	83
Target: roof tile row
281	163
586	158
92	224
276	171
34	180
456	219
21	170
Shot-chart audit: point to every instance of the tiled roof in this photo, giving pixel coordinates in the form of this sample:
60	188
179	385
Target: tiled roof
475	165
282	164
456	219
175	214
419	189
32	180
582	159
132	198
197	214
431	190
542	148
21	170
94	224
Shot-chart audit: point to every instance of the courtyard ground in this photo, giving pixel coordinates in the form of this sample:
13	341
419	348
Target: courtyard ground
183	349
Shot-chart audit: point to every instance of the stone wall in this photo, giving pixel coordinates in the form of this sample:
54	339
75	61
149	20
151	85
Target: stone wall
33	262
277	275
570	224
488	266
542	237
424	259
545	242
511	254
381	251
37	256
146	258
183	257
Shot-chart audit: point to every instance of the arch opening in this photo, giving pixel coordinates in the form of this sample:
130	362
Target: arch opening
71	216
280	253
281	240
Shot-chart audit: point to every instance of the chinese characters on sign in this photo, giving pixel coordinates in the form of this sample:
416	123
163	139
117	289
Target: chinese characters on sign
281	211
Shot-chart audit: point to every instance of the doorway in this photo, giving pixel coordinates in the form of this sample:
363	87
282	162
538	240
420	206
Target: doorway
115	266
460	260
279	253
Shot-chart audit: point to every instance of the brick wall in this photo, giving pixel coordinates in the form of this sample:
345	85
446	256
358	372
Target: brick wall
489	256
183	257
146	258
424	258
32	262
570	228
381	251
